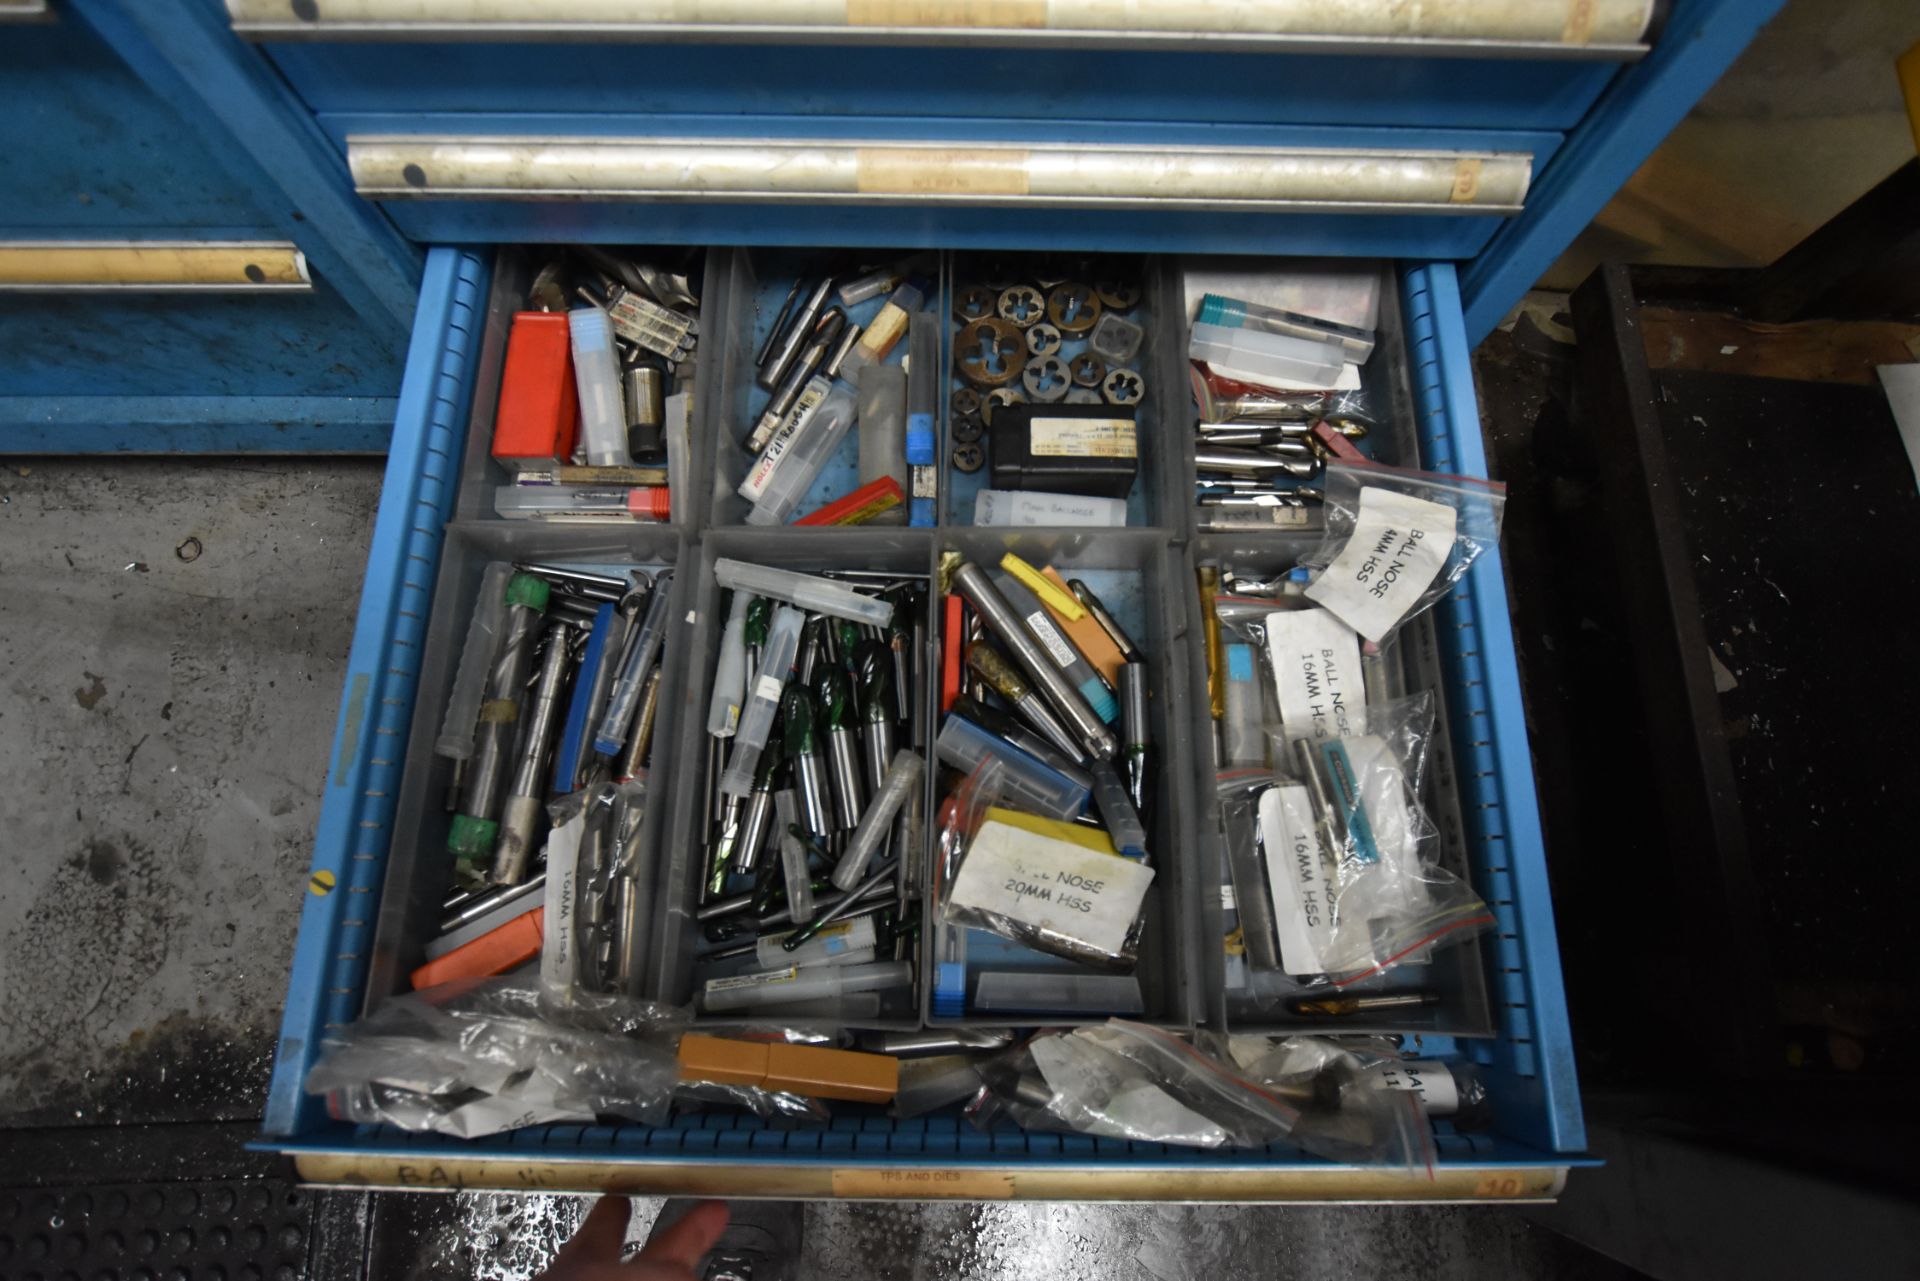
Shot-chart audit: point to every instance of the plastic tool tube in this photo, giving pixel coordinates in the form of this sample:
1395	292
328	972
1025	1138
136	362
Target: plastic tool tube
596	375
923	401
813	443
785	987
807	591
457	728
625	698
763	700
730	674
903	775
793	860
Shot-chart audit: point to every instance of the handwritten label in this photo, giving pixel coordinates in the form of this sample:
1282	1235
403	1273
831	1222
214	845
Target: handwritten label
1398	547
929	171
1083	438
1302	876
1052	885
1316	668
1431	1080
559	956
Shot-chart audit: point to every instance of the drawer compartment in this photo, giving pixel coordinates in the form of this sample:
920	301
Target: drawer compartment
1146	575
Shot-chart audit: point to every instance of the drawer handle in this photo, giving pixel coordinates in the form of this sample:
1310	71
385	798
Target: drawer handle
1598	28
153	266
837	172
23	11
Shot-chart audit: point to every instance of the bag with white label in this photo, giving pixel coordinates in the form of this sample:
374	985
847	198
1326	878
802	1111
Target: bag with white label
592	861
1393	903
1053	886
1293	670
1351	1110
1397	541
1126	1080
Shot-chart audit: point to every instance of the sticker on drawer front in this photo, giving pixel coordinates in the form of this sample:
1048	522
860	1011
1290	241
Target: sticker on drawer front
1301	876
1053	885
1466	180
1316	667
947	13
937	171
1082	438
1398	547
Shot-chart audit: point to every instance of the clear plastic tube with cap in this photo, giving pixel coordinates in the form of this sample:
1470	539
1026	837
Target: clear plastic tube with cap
582	502
797	983
476	656
730	674
793	858
762	701
883	431
596	375
810	592
923	402
611	736
816	441
902	776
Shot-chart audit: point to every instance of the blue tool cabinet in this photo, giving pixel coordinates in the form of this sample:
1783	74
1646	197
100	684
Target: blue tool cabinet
1464	155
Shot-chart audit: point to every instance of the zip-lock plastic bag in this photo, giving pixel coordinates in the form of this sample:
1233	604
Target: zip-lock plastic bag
593	886
1047	884
1392	901
1397	541
1127	1080
476	1057
1350	1109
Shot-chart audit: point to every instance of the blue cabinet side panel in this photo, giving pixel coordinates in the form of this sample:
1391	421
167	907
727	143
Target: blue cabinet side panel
196	424
1700	41
192	345
1533	1084
1027	84
87	150
376	708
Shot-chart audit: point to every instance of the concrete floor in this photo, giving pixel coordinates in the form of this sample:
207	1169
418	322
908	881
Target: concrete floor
173	635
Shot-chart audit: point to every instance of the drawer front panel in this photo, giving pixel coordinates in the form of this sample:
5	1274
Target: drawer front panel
974	82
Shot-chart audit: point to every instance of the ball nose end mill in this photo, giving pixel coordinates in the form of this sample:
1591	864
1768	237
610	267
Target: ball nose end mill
799	731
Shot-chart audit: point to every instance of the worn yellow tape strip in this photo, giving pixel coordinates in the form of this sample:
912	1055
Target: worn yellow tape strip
1270	1183
911	171
947	13
1466	181
1579	27
925	1185
152	265
1908	68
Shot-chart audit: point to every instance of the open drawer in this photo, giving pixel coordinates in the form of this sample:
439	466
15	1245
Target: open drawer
369	873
